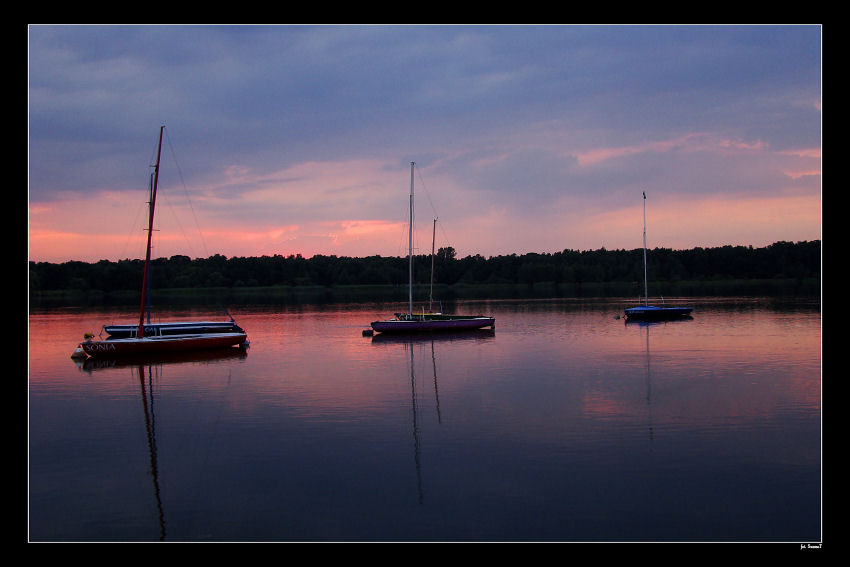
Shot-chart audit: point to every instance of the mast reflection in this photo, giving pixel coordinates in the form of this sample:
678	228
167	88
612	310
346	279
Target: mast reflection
146	368
409	341
150	430
647	325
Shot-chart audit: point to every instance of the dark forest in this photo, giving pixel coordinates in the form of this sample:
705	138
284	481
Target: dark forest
617	272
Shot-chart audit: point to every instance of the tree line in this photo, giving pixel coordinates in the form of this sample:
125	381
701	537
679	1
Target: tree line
781	260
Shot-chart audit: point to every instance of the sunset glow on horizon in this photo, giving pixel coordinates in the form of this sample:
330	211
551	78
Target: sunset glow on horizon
299	141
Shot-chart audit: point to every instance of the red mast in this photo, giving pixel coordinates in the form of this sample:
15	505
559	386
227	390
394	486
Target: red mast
141	332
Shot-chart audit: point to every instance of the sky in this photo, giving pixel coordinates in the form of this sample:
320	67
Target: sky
526	138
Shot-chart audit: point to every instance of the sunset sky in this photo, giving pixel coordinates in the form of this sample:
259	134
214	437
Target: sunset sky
298	139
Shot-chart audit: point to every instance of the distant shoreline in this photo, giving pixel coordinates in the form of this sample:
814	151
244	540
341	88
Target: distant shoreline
289	294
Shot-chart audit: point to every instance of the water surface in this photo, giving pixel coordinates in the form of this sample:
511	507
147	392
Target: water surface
564	424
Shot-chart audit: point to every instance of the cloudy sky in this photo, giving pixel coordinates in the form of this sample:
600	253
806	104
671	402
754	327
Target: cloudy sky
298	139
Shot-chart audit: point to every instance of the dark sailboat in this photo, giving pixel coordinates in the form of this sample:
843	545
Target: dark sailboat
411	322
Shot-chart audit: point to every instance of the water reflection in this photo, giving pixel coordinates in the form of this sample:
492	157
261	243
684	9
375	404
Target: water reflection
408	343
147	368
412	338
150	430
162	359
645	327
567	426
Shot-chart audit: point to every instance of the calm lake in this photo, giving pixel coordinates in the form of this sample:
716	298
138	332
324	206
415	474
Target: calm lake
564	424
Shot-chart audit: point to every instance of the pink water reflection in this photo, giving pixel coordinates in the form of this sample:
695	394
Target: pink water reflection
719	366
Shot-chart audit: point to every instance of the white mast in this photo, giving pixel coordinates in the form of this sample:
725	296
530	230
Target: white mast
410	246
431	292
645	286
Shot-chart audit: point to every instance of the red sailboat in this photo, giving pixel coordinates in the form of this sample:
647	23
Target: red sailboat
148	339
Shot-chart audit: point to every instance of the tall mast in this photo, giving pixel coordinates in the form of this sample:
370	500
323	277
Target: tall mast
410	246
431	292
148	269
141	332
645	286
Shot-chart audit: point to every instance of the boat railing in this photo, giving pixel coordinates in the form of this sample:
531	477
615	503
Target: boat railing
152	331
647	300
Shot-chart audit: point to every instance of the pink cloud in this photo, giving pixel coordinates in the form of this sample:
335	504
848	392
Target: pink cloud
690	142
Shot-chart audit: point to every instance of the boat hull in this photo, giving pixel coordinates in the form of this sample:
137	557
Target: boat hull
161	344
174	328
430	325
653	313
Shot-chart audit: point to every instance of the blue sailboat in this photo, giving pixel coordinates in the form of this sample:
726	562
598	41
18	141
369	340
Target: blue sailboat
647	312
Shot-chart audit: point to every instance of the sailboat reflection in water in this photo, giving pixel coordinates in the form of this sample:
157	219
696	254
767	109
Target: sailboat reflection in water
145	369
409	343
